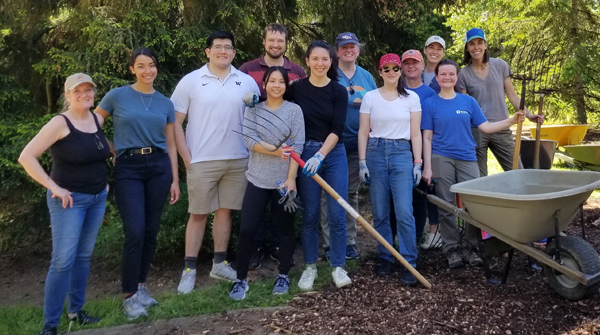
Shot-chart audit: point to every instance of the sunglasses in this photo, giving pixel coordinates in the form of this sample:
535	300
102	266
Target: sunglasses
387	69
99	144
351	90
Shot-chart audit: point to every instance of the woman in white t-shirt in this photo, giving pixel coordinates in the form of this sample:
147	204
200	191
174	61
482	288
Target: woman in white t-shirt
390	117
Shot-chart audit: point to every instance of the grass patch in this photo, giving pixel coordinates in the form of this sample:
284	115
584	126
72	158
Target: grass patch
27	320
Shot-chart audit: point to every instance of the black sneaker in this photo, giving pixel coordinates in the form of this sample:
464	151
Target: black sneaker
274	253
48	330
454	260
408	278
83	318
385	268
351	252
256	259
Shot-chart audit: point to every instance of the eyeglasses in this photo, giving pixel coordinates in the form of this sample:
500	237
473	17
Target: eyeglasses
387	69
351	90
219	48
99	144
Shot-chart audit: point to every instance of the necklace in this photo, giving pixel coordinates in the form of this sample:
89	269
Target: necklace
146	106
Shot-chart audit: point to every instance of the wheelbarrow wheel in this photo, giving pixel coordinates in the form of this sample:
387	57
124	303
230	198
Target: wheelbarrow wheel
576	254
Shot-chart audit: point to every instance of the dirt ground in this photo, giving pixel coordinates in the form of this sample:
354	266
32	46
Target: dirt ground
460	302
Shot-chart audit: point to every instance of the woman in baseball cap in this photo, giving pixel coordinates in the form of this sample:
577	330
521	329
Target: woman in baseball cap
76	196
488	80
390	117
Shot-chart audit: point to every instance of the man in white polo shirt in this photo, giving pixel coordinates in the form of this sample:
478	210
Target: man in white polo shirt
214	155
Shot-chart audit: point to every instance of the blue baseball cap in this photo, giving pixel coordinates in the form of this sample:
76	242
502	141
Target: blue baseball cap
345	38
474	33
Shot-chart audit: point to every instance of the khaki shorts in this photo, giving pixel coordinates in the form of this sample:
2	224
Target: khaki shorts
216	184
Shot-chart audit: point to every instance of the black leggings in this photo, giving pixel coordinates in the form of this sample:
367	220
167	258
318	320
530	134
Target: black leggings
255	203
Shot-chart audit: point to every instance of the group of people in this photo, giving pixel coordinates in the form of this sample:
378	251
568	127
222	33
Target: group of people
242	127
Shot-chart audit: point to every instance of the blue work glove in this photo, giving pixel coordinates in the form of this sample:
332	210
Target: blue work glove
312	165
364	174
416	174
250	99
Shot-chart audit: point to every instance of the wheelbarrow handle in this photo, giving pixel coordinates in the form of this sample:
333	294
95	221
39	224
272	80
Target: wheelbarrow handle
363	222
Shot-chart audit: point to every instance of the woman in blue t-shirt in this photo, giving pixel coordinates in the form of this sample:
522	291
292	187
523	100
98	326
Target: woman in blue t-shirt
76	196
449	155
145	171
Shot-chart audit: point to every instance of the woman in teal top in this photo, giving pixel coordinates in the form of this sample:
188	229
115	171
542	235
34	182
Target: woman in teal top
145	171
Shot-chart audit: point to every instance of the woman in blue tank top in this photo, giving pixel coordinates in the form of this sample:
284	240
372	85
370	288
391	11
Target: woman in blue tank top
77	189
145	172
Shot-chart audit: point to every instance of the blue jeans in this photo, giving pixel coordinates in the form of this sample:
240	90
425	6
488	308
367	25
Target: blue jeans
74	232
334	170
142	184
390	165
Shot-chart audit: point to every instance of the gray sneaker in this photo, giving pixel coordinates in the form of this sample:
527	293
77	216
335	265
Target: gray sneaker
188	280
471	257
133	308
144	296
223	271
454	260
239	289
282	285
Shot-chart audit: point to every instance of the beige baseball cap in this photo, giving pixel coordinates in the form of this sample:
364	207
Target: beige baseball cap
76	79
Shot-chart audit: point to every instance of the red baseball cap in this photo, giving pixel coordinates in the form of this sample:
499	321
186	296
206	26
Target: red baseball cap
414	54
389	58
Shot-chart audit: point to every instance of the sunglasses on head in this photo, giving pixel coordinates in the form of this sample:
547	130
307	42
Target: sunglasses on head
351	90
387	69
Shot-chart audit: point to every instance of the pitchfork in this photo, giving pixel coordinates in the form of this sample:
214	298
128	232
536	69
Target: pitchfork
285	135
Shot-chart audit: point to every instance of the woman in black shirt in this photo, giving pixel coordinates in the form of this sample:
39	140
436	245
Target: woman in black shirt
323	102
76	196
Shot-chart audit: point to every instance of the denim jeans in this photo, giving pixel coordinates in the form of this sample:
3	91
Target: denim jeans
353	183
334	170
390	165
142	184
74	232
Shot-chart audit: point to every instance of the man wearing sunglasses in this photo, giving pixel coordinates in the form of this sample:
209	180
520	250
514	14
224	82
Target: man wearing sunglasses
357	82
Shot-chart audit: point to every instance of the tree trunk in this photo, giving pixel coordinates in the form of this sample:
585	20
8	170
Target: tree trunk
579	91
189	9
49	99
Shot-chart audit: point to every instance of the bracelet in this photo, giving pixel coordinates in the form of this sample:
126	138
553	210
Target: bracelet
420	161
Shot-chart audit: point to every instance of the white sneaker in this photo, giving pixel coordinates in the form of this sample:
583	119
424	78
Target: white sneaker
223	271
307	279
144	296
432	241
188	280
133	308
340	277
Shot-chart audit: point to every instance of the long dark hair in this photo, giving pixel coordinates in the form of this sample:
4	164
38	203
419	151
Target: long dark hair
272	69
145	52
467	56
332	72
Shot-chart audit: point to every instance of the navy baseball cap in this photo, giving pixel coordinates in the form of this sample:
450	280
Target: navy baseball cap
345	38
474	33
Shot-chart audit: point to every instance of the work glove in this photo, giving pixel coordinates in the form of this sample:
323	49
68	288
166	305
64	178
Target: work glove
364	175
290	201
250	99
416	174
312	165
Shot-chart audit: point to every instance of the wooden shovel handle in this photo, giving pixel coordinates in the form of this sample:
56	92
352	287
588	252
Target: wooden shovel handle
364	223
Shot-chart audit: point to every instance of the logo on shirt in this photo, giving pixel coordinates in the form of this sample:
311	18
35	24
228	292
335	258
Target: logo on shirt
204	84
238	83
461	112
